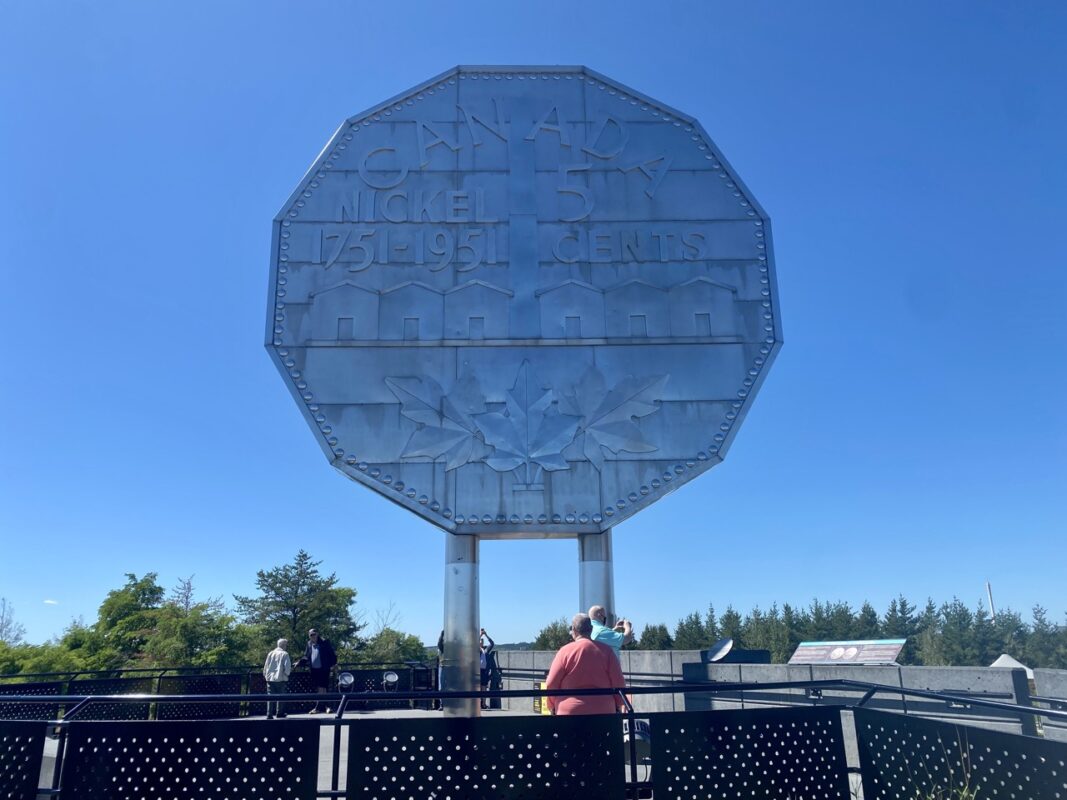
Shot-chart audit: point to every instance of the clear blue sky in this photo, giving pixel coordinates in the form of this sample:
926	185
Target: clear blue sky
910	438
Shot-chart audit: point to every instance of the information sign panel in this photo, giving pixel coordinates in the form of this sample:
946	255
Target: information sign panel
860	651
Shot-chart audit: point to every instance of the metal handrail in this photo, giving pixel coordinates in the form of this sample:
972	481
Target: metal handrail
1059	702
70	675
869	690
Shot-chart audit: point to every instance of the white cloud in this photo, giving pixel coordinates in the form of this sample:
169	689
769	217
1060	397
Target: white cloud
51	602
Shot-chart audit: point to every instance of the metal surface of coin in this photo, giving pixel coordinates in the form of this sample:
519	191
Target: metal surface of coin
522	302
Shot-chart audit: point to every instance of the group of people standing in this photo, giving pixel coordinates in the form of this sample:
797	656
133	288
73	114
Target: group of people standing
319	657
488	672
590	661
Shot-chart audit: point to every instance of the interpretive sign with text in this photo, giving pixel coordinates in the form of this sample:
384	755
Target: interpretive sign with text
522	301
859	651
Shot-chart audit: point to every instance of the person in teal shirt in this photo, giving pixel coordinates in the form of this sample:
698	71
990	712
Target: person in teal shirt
615	638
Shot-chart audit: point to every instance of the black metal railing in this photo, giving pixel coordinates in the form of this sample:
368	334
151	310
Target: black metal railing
16	678
796	751
183	681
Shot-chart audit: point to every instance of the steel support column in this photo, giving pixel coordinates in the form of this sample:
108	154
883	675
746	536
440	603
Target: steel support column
596	573
460	663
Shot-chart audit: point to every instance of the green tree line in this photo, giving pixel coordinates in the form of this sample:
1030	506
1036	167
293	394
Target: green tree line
141	624
950	634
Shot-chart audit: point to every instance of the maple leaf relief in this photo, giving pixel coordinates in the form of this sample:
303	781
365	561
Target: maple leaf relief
607	417
529	431
447	429
535	425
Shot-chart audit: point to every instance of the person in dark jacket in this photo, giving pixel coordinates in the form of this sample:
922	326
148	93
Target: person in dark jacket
319	657
487	661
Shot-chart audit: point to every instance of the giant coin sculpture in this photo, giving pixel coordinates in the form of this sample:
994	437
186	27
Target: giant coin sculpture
522	302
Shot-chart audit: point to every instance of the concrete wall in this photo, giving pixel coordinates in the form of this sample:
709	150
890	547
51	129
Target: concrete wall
1004	685
640	668
1052	683
651	668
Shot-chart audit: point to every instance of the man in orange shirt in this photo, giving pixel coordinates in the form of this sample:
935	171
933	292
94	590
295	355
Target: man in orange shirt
585	664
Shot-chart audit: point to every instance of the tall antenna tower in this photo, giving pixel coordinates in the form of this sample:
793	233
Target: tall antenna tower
992	608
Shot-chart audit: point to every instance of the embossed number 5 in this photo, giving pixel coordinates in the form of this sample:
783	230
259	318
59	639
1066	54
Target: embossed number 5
470	240
580	191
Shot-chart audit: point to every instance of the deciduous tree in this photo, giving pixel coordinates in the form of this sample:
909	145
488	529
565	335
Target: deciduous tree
11	632
554	635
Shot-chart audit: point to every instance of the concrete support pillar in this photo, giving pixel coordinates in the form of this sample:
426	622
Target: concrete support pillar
596	573
460	663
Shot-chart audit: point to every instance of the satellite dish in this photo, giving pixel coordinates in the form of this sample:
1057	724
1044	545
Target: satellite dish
718	650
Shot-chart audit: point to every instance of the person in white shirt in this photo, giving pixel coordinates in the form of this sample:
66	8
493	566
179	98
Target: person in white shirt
276	671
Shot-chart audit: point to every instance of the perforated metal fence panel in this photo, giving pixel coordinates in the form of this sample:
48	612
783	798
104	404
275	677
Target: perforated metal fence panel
907	757
246	760
464	759
199	684
373	680
112	711
30	710
21	749
769	753
299	682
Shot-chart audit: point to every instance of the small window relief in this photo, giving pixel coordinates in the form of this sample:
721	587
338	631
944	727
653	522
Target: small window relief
703	324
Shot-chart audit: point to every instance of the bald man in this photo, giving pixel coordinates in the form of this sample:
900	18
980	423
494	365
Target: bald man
615	638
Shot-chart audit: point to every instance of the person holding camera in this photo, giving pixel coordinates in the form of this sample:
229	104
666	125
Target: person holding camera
486	661
614	637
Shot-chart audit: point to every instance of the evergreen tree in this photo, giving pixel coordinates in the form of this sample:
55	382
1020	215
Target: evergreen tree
984	647
297	597
711	624
901	622
731	625
655	637
818	628
690	633
842	621
767	631
868	624
1041	643
793	624
957	633
1010	634
928	649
